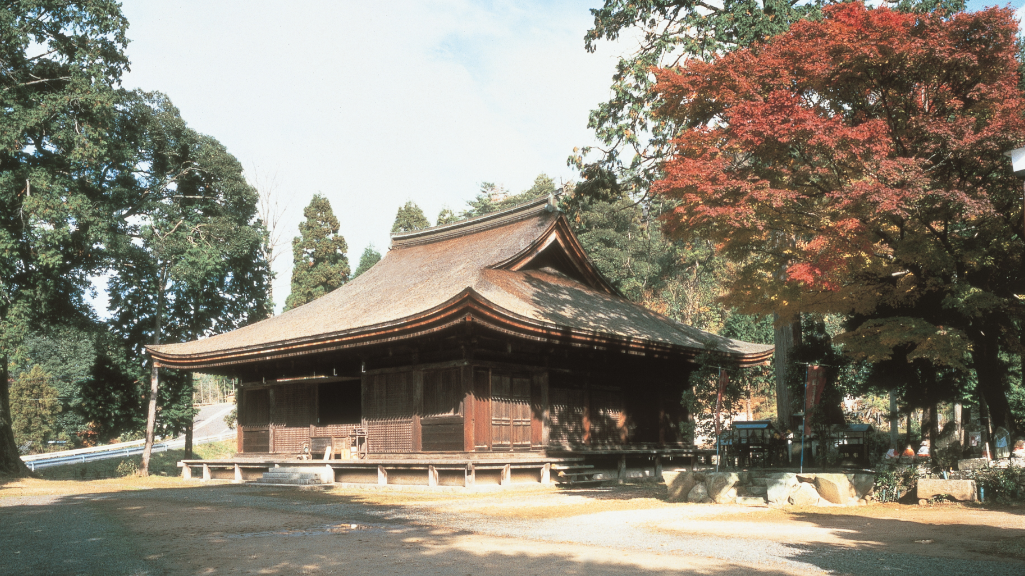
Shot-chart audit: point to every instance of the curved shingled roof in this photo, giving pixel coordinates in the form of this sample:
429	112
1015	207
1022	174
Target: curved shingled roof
520	271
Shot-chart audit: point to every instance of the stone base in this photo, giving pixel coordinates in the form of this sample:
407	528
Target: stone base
960	490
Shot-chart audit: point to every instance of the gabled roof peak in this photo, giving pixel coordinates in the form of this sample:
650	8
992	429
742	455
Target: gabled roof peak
476	224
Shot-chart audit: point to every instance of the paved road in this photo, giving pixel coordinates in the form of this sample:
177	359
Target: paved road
225	529
210	420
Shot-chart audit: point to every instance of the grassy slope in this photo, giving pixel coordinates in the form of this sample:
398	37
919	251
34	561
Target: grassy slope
161	463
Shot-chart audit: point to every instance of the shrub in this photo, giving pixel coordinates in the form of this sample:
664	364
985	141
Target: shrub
127	468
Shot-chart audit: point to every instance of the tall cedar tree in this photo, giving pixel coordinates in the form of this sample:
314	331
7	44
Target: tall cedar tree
409	218
318	255
62	63
367	260
873	141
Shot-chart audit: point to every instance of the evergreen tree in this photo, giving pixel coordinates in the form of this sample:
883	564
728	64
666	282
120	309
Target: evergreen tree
409	219
368	259
446	216
492	198
34	407
62	63
318	255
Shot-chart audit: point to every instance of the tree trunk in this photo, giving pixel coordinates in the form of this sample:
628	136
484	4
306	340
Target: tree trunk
933	432
894	421
992	382
151	419
151	414
959	426
192	421
10	460
785	338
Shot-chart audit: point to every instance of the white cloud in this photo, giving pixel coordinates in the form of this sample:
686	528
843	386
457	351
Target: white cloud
376	104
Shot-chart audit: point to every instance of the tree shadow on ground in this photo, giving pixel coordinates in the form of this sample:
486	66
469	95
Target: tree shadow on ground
232	529
906	544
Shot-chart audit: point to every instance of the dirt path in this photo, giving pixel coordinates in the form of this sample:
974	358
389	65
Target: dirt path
226	529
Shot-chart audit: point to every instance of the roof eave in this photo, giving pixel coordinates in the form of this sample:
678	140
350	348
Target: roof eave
467	306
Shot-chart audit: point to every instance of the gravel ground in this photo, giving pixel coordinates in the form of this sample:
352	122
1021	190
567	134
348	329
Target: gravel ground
226	529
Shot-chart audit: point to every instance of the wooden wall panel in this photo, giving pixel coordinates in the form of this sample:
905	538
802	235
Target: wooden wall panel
482	408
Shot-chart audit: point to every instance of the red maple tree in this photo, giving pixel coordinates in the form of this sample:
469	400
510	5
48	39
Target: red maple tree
855	165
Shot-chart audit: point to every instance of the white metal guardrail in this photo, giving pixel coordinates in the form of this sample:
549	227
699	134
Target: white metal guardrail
36	461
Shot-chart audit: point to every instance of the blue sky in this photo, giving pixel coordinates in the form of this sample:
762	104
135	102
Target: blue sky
375	104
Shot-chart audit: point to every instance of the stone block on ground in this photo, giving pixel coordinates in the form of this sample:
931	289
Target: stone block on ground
680	483
755	490
751	500
778	488
805	495
960	490
864	484
973	464
835	488
698	494
719	484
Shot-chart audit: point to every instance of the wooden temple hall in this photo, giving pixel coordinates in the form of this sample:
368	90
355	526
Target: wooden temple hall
488	350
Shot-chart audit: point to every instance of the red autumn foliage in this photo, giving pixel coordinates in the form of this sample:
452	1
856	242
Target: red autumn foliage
865	144
856	163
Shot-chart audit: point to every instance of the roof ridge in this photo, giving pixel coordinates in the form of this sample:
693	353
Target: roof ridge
473	225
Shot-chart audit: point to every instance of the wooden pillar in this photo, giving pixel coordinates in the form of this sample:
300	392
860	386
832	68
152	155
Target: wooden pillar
432	475
272	417
621	473
418	402
466	375
238	473
470	477
382	476
658	467
546	423
506	475
240	405
586	419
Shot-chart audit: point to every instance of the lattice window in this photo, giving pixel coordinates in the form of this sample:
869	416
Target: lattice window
567	416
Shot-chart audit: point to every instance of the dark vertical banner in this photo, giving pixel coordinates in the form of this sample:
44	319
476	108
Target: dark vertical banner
724	381
813	391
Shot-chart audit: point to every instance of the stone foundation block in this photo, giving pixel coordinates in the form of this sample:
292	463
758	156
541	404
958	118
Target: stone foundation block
805	495
778	488
961	490
719	485
680	483
698	494
835	488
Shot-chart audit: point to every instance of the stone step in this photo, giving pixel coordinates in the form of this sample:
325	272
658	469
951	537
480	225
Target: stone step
295	481
290	476
296	476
